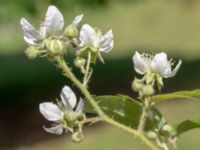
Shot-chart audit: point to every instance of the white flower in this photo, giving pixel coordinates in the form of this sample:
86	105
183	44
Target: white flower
157	64
55	113
51	26
90	37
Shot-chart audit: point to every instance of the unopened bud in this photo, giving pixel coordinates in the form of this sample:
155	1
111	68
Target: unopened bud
55	46
167	128
152	135
32	52
79	62
81	117
137	85
156	117
77	137
148	90
71	31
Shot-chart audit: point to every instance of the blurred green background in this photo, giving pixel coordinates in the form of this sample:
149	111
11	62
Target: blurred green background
172	26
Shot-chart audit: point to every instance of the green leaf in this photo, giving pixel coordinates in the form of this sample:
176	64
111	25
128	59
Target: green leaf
192	95
123	109
186	126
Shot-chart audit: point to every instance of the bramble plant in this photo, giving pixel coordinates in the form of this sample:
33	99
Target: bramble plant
139	117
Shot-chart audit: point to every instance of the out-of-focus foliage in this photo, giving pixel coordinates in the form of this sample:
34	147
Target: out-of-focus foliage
12	9
147	25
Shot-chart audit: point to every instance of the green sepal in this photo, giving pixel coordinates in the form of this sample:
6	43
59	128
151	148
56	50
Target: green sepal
84	53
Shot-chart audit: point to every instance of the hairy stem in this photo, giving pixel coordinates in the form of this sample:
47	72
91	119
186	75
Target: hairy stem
92	120
143	117
162	145
142	120
67	72
87	76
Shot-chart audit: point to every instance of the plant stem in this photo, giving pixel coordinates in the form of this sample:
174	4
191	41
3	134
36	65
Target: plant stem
86	76
92	120
162	145
132	131
67	72
143	118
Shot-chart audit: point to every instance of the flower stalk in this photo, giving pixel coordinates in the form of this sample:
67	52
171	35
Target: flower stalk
67	72
87	73
146	107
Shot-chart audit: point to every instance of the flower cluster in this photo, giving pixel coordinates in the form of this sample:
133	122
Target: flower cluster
51	39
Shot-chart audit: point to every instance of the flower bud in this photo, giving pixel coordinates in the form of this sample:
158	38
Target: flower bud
152	135
71	31
156	117
81	117
137	85
55	46
148	90
167	128
32	52
77	137
79	62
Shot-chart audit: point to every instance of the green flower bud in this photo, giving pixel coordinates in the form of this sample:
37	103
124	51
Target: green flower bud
81	117
79	62
167	128
55	46
137	85
156	117
71	31
148	90
152	135
32	52
77	137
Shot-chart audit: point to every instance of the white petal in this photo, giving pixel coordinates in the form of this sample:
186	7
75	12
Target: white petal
50	111
68	97
160	64
30	41
31	35
80	106
77	20
173	73
106	42
88	36
53	23
58	129
140	65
